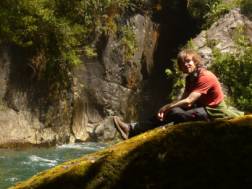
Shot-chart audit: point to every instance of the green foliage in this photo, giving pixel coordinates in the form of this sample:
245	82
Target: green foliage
235	71
128	41
178	81
200	8
246	7
60	30
206	12
219	8
190	45
90	52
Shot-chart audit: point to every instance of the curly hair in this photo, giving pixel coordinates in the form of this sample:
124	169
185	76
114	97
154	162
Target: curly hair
195	57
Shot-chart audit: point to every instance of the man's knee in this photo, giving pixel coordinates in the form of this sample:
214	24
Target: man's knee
178	115
176	111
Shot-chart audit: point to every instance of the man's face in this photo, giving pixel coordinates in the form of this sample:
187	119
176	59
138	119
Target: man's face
188	66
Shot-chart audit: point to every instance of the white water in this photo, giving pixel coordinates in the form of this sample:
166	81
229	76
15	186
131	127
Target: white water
18	165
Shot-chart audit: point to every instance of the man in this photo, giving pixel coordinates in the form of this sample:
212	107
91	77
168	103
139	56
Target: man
202	99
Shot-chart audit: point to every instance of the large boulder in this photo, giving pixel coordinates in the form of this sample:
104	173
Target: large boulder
190	155
221	34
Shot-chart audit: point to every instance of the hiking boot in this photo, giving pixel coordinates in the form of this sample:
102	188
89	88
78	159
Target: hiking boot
122	127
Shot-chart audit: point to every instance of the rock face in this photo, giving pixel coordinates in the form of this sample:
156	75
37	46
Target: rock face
26	113
104	86
221	34
110	86
190	155
99	88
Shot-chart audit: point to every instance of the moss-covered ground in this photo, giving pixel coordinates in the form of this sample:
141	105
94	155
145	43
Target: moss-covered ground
190	155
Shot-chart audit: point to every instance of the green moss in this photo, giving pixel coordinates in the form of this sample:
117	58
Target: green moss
189	155
128	42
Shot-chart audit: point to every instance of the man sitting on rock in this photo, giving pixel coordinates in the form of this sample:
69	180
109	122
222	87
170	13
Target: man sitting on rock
203	99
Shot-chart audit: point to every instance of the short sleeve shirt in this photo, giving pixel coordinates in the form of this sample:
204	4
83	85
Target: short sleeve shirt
207	84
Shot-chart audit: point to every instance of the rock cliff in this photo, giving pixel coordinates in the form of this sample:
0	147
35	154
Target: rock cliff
110	84
221	34
104	86
101	87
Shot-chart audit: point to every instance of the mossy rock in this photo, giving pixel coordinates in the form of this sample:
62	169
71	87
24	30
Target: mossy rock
190	155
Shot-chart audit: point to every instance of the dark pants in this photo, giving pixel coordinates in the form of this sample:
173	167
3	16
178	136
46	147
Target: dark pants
175	115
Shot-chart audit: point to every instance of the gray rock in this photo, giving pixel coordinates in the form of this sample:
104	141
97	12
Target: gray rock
110	86
100	88
220	35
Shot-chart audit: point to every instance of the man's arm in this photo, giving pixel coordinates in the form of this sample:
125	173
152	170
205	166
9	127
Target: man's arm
186	102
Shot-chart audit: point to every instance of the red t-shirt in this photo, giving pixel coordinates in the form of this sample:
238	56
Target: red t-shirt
208	85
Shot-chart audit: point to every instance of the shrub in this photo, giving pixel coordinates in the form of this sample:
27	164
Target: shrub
219	8
246	8
200	8
235	71
206	12
177	78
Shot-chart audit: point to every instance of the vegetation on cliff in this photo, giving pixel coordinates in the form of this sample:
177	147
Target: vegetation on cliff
55	33
235	70
206	12
190	155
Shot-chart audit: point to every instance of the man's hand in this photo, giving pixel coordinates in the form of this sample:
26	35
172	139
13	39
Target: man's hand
161	112
160	116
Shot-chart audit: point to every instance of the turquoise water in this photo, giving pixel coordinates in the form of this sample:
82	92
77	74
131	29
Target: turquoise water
18	165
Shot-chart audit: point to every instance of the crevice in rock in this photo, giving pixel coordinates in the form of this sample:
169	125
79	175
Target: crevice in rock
175	28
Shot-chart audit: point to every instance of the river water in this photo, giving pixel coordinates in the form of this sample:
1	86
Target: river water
18	165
